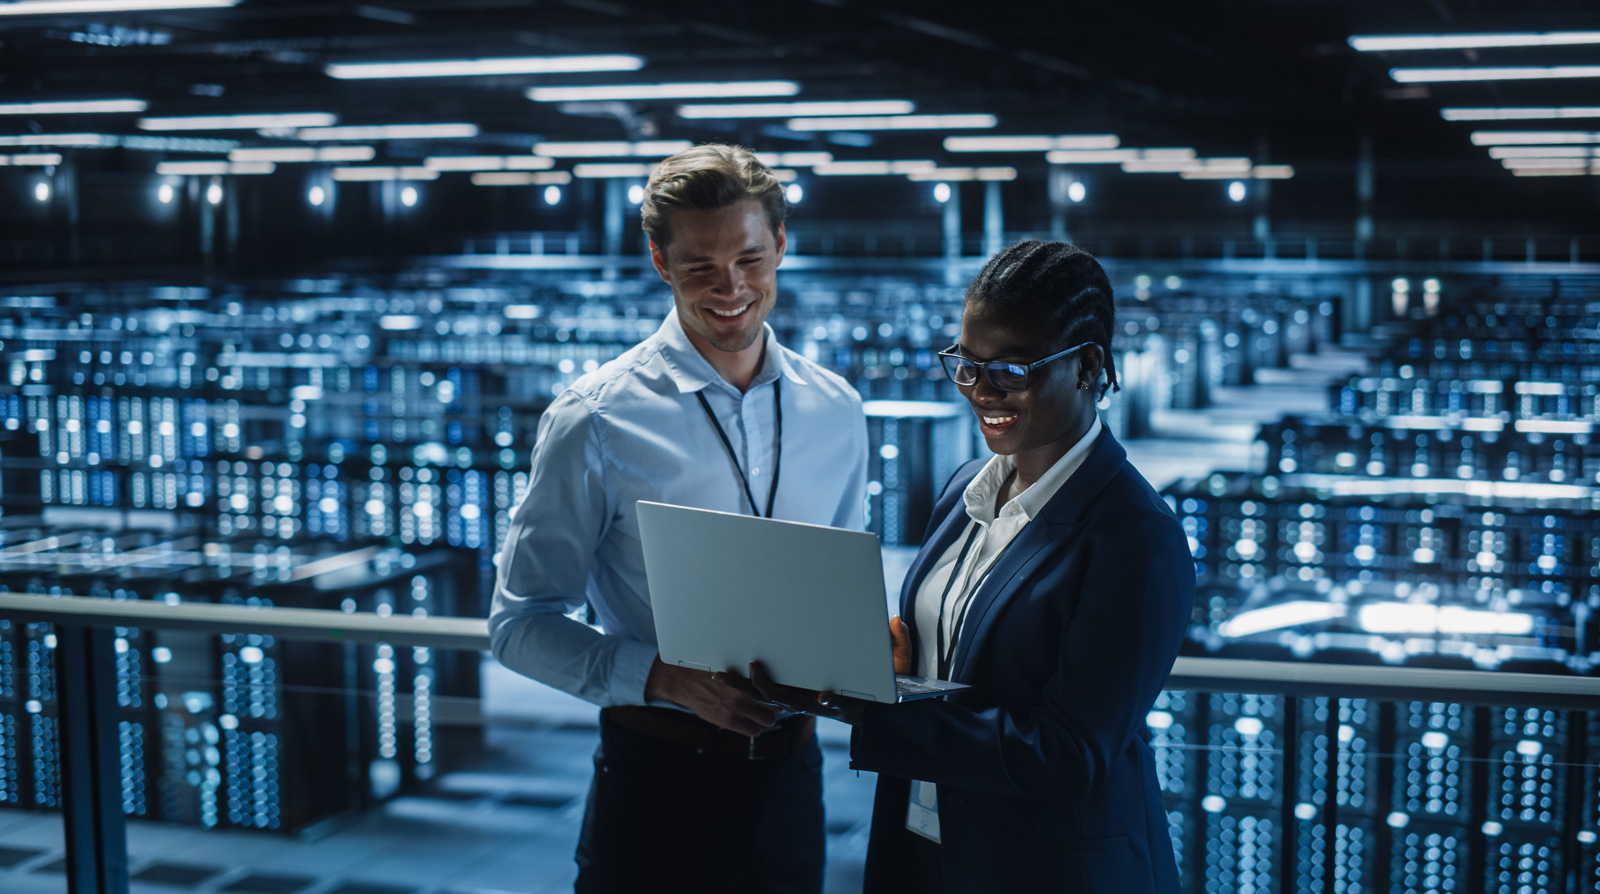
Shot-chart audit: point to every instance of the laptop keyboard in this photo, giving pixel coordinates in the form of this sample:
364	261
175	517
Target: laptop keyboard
913	687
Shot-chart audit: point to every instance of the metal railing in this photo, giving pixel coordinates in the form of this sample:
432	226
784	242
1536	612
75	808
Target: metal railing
97	859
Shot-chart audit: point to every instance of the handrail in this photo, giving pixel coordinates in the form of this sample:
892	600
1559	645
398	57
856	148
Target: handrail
1203	674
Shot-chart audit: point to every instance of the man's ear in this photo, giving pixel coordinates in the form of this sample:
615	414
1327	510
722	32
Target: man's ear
658	257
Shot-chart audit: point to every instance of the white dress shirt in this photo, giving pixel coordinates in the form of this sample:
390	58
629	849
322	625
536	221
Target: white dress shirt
634	430
994	533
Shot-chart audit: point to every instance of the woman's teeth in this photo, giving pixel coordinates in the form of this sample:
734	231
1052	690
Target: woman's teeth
729	313
997	420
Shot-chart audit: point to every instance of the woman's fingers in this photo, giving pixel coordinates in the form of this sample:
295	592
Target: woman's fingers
900	645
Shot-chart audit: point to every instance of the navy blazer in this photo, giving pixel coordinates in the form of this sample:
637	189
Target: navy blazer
1045	778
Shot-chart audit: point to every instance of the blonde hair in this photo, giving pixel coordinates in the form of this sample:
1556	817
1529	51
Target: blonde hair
707	177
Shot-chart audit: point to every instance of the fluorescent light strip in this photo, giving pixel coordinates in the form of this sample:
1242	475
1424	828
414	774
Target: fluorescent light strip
1533	137
1515	163
73	107
1385	44
794	159
384	173
786	109
66	7
1519	114
899	122
389	132
1544	152
1502	73
238	122
203	168
1557	172
613	149
489	163
872	168
291	154
1258	172
611	171
701	90
1236	166
952	175
521	178
32	159
58	139
1115	156
1030	144
448	68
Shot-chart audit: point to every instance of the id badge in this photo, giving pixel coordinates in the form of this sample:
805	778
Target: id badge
922	813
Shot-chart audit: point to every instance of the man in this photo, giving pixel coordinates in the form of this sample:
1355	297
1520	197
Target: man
697	787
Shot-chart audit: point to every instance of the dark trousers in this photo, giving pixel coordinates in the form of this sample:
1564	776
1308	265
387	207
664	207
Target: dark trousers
663	818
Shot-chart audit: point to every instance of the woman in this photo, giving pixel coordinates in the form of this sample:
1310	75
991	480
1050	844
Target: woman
1057	583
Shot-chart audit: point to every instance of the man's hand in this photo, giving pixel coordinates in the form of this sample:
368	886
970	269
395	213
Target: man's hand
802	701
900	645
711	700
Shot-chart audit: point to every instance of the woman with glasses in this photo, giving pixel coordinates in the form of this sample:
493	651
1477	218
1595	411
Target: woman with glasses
1056	583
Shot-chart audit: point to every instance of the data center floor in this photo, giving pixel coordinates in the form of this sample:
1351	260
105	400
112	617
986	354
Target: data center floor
508	823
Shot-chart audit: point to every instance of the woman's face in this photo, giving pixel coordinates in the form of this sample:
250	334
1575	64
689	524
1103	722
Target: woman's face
1053	413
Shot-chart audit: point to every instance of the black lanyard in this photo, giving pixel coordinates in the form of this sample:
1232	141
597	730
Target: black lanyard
777	447
948	651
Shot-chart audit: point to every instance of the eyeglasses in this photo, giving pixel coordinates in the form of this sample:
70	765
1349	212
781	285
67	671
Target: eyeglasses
1010	377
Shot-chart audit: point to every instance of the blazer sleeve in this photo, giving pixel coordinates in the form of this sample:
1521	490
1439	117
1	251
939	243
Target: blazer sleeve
1115	652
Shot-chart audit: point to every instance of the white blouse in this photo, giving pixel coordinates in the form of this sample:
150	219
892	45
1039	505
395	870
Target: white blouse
994	534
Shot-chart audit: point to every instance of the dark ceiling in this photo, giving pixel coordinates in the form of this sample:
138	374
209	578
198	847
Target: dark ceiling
1271	79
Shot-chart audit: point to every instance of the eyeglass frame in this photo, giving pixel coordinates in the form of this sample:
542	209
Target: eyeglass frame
990	367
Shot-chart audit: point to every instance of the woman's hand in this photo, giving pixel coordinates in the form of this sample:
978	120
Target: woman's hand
900	645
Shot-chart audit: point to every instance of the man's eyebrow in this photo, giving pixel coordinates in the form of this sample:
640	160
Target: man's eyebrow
754	248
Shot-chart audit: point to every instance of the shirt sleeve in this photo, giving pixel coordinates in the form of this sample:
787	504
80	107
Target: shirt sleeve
852	510
545	566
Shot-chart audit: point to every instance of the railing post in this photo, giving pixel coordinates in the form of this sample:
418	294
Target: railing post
86	698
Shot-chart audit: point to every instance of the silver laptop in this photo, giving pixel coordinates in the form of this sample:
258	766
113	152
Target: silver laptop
805	600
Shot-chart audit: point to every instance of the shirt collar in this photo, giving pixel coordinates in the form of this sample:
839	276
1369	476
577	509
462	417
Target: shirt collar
980	493
692	372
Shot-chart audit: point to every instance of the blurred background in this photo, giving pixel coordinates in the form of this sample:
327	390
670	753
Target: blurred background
285	287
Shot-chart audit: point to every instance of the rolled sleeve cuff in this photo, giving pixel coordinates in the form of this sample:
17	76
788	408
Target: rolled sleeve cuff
631	671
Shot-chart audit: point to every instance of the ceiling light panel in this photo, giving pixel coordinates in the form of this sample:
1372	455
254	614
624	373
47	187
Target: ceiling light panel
612	149
203	168
73	107
376	172
1394	43
521	178
1501	73
293	154
1527	114
794	159
1031	144
952	175
894	122
456	68
389	132
1533	137
70	7
787	109
611	171
33	159
872	168
58	139
1544	152
239	122
699	90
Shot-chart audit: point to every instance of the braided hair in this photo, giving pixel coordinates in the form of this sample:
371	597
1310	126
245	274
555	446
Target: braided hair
1059	285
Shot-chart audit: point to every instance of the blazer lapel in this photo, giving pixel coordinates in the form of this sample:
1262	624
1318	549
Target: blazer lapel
1055	527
